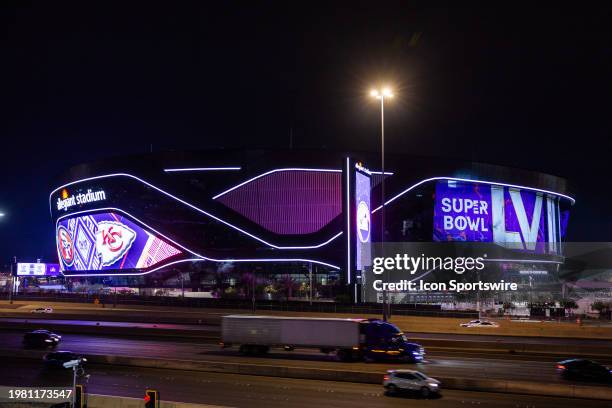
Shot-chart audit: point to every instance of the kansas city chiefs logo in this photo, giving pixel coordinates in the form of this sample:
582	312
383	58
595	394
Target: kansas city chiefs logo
113	240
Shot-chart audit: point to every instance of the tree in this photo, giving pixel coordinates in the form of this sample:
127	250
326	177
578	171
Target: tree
288	284
602	307
220	276
568	304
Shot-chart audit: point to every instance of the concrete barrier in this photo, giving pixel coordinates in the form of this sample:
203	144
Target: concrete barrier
528	387
515	347
107	401
454	383
113	315
112	330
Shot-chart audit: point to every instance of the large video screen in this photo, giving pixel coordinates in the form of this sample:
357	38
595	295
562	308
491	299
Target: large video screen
519	219
363	225
108	241
37	269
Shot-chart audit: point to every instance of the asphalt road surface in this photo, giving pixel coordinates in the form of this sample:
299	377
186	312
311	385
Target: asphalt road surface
442	364
141	325
256	391
212	329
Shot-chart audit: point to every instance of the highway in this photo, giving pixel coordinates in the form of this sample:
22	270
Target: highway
257	391
214	330
133	325
440	363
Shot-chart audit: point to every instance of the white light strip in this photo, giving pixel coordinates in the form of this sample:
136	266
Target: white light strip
270	172
194	208
199	260
472	181
387	173
200	257
348	222
202	169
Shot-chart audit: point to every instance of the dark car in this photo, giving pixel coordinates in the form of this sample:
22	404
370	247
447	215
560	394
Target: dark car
41	339
582	369
56	359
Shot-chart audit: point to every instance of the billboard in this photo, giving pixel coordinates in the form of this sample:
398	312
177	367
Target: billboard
37	269
108	241
362	224
515	218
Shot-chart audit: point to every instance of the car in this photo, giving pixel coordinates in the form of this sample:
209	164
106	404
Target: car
479	323
41	338
397	381
583	369
56	359
46	309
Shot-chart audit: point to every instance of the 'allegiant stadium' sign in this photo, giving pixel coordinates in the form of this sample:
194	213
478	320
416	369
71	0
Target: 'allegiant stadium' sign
66	201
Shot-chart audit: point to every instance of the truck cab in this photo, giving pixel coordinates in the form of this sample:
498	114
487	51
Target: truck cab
383	340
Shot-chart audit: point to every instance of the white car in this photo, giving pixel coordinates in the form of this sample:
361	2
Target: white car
396	381
479	323
47	309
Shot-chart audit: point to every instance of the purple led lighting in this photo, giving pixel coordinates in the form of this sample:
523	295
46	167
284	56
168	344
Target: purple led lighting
273	171
199	257
194	208
291	202
524	261
207	259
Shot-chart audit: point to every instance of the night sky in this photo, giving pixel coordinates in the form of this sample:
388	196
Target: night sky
521	86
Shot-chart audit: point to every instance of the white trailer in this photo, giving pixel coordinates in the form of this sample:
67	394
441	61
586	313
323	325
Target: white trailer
289	332
350	338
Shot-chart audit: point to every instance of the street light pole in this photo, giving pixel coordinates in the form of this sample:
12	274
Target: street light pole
382	191
74	376
381	94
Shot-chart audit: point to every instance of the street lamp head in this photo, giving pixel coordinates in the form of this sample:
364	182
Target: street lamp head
381	93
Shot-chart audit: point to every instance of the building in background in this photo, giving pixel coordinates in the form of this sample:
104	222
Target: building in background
294	224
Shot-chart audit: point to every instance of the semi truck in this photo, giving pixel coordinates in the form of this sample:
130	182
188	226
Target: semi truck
350	339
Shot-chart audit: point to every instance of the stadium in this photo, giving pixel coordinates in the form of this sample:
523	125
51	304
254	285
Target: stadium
292	224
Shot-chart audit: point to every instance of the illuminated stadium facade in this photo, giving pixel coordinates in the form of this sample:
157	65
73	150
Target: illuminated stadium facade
236	222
